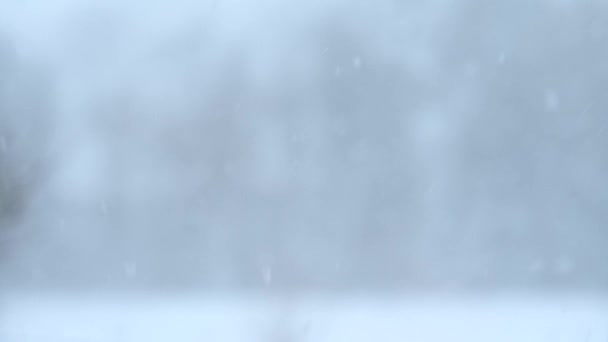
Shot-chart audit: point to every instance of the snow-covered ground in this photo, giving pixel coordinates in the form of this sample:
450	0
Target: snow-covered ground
231	319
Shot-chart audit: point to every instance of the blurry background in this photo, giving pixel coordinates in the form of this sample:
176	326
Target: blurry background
304	147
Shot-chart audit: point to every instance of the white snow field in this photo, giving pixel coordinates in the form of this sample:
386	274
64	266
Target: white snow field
235	319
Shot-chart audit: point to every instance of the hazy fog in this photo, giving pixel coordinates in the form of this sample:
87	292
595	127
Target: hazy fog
304	146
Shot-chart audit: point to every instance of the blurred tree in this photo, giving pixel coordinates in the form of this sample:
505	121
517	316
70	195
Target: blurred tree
531	152
24	115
